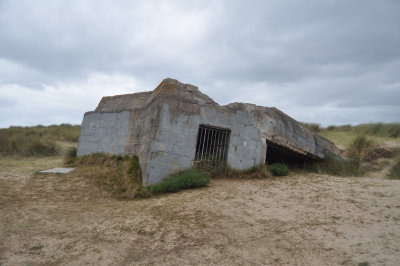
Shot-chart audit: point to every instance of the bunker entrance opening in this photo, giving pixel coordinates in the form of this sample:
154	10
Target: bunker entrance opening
212	145
280	154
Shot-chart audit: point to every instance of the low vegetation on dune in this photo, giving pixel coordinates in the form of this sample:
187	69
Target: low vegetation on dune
389	130
179	181
278	169
119	175
224	170
71	154
394	172
344	135
337	167
37	141
361	149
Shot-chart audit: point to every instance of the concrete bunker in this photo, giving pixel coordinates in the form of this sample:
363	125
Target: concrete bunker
175	125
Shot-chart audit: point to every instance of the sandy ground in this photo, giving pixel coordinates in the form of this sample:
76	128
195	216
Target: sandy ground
303	219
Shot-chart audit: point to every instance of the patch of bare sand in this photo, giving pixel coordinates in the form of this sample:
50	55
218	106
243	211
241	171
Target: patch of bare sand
296	220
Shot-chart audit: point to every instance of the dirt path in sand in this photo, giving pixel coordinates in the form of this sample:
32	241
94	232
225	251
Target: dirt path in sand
297	220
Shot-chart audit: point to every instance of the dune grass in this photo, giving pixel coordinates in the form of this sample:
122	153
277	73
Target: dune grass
361	149
394	172
224	170
71	154
377	132
188	179
119	175
389	130
37	141
336	167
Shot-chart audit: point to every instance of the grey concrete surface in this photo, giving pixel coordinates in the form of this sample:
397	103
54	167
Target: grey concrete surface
161	127
59	170
104	132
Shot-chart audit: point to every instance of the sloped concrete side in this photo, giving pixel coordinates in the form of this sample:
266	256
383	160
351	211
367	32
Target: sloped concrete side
279	128
174	146
104	132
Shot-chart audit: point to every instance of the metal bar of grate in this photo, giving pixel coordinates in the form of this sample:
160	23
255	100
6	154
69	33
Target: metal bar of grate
212	144
218	146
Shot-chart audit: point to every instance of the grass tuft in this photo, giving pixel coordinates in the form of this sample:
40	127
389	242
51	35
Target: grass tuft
36	247
119	175
223	170
361	149
394	172
71	154
257	171
278	169
182	180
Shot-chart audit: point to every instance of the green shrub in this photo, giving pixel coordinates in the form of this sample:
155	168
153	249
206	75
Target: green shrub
179	181
133	171
278	169
394	172
71	154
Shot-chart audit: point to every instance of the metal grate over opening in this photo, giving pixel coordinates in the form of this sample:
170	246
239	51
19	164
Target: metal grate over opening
212	144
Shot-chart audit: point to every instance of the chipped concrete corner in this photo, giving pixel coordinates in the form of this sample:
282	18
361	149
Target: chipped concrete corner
162	128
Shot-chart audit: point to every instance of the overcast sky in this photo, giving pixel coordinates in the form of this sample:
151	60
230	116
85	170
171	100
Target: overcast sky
329	62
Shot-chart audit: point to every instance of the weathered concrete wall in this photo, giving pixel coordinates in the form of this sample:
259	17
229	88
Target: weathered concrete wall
174	146
283	130
125	102
161	127
104	132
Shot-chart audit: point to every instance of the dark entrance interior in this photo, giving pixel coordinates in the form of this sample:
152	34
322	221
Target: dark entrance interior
212	144
279	154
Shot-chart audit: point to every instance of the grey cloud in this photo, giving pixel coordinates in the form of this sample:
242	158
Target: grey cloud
344	54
